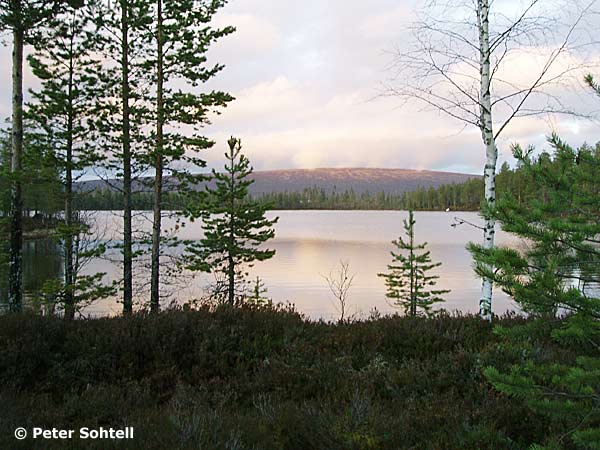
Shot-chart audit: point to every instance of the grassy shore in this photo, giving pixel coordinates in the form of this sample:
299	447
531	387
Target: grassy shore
260	379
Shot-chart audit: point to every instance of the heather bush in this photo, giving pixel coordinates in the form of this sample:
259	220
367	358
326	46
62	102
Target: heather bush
261	378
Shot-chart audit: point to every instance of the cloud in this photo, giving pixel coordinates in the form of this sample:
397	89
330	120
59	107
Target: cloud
269	103
306	77
29	81
284	124
254	35
386	24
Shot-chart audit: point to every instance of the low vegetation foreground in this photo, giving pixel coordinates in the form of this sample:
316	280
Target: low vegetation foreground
264	378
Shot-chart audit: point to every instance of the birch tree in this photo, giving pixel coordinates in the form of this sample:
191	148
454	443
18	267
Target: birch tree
464	61
555	279
339	282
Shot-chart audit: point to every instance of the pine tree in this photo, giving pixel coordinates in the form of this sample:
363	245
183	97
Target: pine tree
122	112
235	226
65	62
182	36
554	279
20	17
41	192
258	294
408	281
4	220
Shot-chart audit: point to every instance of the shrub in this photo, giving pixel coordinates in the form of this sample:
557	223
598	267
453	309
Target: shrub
260	378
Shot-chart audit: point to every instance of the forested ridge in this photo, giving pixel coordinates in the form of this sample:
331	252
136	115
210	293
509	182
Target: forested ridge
466	196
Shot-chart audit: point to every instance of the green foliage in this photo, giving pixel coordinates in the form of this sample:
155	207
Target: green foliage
408	281
457	196
85	288
108	127
183	33
555	278
465	196
258	294
260	378
66	62
42	187
319	198
41	203
186	34
27	14
234	225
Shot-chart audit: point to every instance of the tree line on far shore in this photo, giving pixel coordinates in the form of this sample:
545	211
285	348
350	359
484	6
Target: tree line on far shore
465	196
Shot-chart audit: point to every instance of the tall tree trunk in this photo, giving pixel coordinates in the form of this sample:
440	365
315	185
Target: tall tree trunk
158	167
231	280
489	175
69	269
15	293
231	262
127	204
413	292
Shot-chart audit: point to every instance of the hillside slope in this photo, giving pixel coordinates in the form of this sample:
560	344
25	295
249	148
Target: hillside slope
390	181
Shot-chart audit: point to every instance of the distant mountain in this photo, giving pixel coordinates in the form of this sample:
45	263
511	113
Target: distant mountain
390	181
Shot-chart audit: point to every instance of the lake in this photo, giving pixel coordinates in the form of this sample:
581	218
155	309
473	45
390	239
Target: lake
311	244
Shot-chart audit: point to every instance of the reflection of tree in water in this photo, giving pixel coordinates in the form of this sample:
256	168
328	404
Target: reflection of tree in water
42	261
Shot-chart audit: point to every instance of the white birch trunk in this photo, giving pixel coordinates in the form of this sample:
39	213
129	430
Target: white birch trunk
489	174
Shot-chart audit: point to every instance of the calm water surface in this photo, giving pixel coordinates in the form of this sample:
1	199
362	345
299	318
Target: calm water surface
310	244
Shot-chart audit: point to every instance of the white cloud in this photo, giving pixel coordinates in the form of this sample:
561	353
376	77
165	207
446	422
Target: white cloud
386	24
305	75
253	34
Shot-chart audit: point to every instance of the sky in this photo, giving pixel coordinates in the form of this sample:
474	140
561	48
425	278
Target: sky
308	78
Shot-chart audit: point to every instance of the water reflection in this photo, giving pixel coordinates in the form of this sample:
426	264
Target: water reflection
42	261
309	245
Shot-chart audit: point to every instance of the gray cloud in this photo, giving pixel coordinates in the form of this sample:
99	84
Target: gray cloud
306	77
